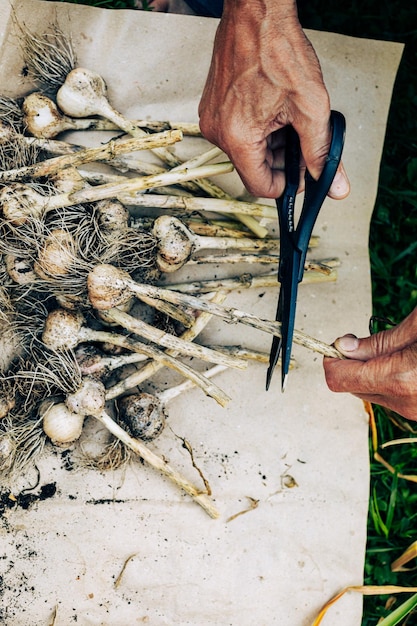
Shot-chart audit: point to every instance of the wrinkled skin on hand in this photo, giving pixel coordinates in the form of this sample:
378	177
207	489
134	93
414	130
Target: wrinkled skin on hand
381	369
265	75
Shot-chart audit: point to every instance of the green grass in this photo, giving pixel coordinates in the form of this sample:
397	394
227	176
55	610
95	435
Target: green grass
392	519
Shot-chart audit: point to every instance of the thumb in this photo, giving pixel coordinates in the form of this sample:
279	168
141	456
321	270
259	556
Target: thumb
383	343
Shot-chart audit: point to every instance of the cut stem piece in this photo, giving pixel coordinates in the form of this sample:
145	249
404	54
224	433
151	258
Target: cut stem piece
192	204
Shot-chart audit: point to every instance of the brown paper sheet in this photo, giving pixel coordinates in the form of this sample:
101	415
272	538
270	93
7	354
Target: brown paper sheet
302	455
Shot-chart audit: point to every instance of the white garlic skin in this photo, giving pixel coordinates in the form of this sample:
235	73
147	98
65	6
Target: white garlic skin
89	399
174	243
42	117
143	414
82	94
61	425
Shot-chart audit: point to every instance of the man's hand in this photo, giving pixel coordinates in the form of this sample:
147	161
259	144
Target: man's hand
381	368
265	75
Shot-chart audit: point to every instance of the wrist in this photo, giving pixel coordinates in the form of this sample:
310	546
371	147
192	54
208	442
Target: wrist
280	8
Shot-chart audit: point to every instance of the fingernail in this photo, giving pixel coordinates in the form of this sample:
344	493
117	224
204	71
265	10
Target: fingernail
340	185
348	343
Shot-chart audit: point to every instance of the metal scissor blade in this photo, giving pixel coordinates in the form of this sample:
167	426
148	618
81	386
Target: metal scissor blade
275	347
289	290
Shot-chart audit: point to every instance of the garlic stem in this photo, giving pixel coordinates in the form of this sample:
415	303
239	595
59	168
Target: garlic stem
64	330
177	313
166	340
106	152
192	204
100	281
247	281
100	366
173	392
215	228
158	463
234	258
151	368
20	202
199	159
176	243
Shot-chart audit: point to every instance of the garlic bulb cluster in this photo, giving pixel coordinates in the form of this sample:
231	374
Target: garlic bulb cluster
73	261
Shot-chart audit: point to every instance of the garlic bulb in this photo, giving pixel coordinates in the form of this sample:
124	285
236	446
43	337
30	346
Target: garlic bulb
62	329
107	287
174	243
143	414
57	254
84	93
20	269
19	202
112	215
62	426
43	119
89	399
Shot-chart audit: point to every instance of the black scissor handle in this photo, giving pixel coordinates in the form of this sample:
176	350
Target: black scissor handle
317	190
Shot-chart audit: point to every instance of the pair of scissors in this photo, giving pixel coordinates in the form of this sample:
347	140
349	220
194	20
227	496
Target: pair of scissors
294	239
